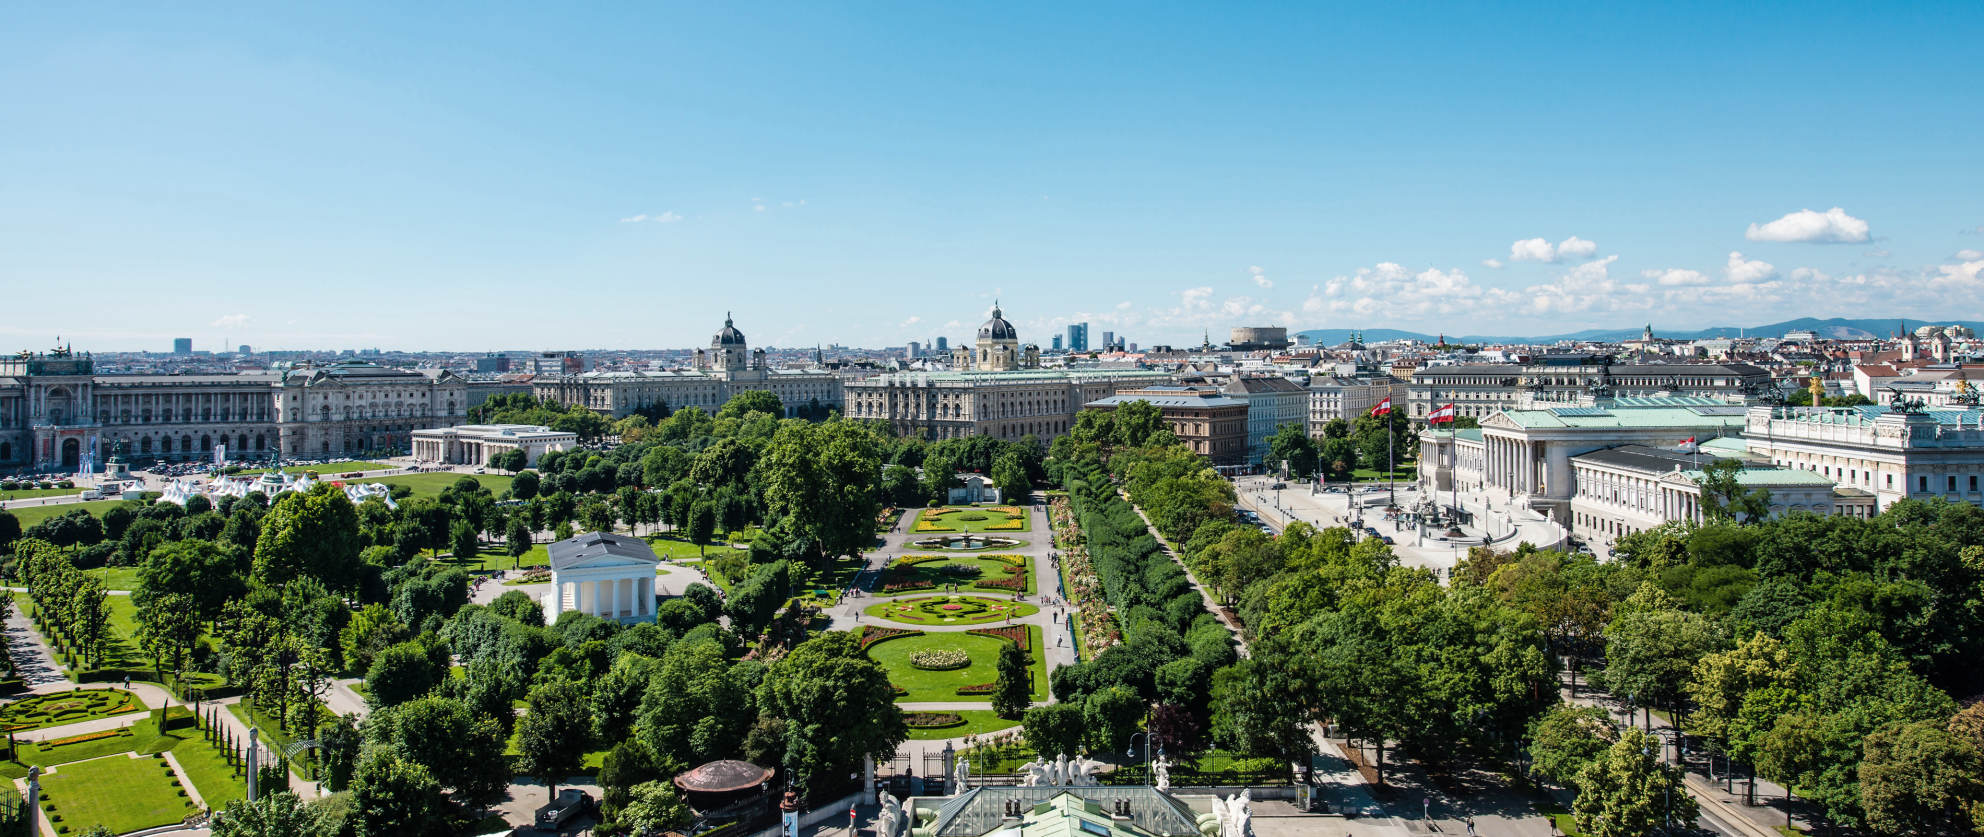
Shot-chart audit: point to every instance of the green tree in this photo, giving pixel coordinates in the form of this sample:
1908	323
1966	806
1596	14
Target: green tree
1014	690
1256	710
1292	445
702	525
1054	729
168	626
554	734
278	814
198	569
463	752
1650	655
10	530
405	671
823	478
1722	681
1009	474
1567	739
837	704
1337	457
753	401
1919	779
653	808
1725	500
517	540
1627	792
1111	716
466	544
395	796
313	533
524	485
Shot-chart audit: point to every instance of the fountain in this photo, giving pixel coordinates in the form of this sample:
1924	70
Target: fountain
965	543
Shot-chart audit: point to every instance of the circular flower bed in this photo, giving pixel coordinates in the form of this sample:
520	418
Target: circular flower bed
940	659
949	610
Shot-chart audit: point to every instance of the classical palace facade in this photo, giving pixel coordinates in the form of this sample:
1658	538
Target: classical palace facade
56	411
728	367
998	392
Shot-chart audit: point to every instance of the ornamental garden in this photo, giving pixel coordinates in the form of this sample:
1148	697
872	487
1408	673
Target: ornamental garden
978	519
994	573
952	665
950	609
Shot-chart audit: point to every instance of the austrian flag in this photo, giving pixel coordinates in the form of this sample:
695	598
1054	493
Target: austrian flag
1444	414
1384	408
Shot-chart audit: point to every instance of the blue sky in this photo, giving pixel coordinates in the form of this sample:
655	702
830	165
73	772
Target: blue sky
617	176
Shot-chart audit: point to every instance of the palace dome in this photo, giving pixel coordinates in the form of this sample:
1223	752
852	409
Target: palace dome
729	336
997	328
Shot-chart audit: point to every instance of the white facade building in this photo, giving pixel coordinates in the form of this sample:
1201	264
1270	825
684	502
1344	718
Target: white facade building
1272	401
473	444
607	575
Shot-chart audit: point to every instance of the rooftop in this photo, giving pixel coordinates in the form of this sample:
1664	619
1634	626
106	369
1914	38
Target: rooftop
1057	811
580	548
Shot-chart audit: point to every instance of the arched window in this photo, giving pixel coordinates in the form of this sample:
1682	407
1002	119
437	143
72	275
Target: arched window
165	444
261	442
186	443
145	445
241	442
206	443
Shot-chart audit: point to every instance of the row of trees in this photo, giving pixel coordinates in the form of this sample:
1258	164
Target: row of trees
1368	442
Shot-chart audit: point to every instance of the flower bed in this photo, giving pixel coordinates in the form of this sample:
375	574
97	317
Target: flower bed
871	634
1015	634
1012	524
932	720
940	659
949	610
86	737
980	689
69	707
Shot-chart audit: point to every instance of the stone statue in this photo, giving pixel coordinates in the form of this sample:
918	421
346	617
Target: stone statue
1160	772
962	779
1235	820
1061	770
1036	773
889	822
1081	773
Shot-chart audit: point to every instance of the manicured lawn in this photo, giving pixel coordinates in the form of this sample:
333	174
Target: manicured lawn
118	792
930	610
54	710
980	519
275	737
331	469
1404	473
431	485
216	781
933	577
670	546
498	558
976	722
117	578
29	493
36	514
943	685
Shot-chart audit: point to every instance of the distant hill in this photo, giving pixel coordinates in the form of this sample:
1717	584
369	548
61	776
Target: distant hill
1836	328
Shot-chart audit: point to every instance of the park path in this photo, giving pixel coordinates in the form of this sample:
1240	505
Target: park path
1212	605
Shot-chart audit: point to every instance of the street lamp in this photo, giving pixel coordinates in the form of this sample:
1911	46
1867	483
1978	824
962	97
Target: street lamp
1132	751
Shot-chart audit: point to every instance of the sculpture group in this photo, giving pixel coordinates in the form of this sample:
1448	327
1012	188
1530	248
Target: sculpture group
1060	773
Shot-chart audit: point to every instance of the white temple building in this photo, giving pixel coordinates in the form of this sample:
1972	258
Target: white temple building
607	575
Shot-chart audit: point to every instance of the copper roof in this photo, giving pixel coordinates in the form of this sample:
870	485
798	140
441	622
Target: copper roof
723	776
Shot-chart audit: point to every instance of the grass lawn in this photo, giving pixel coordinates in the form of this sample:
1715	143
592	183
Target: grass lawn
976	722
117	578
928	610
960	519
498	558
36	514
671	546
943	685
274	737
216	781
30	493
431	485
1405	472
328	470
932	574
118	792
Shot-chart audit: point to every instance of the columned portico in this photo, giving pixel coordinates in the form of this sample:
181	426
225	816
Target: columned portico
605	575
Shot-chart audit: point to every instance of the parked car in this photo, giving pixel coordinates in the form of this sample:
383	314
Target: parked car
570	803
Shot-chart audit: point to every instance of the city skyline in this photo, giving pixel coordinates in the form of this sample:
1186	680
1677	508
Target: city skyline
372	177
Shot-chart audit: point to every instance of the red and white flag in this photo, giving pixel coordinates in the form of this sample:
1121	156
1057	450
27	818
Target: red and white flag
1688	444
1441	415
1384	407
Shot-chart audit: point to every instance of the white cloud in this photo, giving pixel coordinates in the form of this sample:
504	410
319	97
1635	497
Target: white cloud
1970	272
1389	289
1969	255
667	218
663	218
1745	271
910	322
758	207
1260	277
1495	264
1676	277
1541	250
634	219
231	321
1532	250
1832	226
1576	247
1810	274
1880	253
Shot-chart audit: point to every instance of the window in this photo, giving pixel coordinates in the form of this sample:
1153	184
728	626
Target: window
1922	484
1952	483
